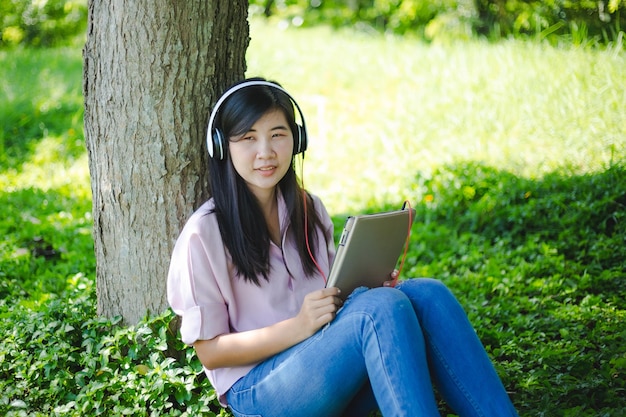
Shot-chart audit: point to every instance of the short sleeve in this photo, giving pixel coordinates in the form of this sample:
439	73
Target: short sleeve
193	290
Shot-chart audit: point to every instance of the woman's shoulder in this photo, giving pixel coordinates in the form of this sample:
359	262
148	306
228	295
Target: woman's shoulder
203	219
315	199
318	204
207	208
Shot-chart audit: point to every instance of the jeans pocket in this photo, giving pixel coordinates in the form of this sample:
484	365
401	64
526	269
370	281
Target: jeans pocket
233	398
240	396
238	414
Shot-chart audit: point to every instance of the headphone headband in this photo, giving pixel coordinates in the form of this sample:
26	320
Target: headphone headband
214	139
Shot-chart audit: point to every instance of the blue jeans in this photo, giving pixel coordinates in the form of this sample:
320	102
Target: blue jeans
384	350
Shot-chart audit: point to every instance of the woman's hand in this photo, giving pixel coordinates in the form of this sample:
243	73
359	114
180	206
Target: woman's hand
394	279
319	308
252	346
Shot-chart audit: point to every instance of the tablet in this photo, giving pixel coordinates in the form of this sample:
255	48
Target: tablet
369	248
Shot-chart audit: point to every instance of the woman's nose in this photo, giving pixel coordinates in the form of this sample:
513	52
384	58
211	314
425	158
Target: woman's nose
265	148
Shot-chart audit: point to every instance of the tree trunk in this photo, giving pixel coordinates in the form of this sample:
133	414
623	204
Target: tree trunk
152	69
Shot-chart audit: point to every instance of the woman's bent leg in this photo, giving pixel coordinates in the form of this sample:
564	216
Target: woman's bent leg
460	366
377	335
394	353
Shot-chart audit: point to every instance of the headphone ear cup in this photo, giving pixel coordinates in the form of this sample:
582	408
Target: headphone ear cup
299	142
218	144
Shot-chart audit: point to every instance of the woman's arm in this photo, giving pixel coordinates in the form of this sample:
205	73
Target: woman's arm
238	349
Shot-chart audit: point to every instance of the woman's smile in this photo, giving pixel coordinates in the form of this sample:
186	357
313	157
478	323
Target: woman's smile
267	170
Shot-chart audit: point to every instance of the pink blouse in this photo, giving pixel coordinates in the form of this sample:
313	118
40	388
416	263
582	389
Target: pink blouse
204	289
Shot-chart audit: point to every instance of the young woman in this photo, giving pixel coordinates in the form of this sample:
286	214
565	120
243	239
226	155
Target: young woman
247	276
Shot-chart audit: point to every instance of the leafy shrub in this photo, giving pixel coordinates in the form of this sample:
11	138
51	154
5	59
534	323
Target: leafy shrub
62	360
576	213
56	356
539	265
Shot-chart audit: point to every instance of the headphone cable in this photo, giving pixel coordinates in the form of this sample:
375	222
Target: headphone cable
306	224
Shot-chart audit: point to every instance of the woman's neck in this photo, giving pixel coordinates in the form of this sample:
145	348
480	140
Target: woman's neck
269	207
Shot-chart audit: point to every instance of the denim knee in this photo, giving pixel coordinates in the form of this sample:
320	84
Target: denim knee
428	295
379	302
423	288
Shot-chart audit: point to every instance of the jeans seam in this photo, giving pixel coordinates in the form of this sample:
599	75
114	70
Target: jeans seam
391	385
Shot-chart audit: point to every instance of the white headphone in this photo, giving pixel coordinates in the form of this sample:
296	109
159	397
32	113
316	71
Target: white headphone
215	138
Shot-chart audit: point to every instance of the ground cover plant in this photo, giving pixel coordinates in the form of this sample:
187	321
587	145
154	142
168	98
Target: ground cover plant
513	154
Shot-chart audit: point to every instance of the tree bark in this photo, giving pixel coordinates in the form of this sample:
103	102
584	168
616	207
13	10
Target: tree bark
152	68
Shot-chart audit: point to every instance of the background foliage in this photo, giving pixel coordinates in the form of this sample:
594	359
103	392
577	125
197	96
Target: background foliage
41	22
512	153
53	22
602	20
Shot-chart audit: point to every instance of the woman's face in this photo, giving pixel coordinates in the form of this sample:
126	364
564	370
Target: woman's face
263	155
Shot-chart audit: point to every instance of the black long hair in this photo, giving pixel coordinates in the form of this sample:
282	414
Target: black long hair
242	225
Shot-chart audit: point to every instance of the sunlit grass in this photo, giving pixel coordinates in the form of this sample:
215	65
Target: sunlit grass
41	140
379	110
40	97
44	175
47	169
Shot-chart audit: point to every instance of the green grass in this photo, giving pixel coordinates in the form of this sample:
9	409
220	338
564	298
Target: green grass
512	153
381	109
44	180
40	97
